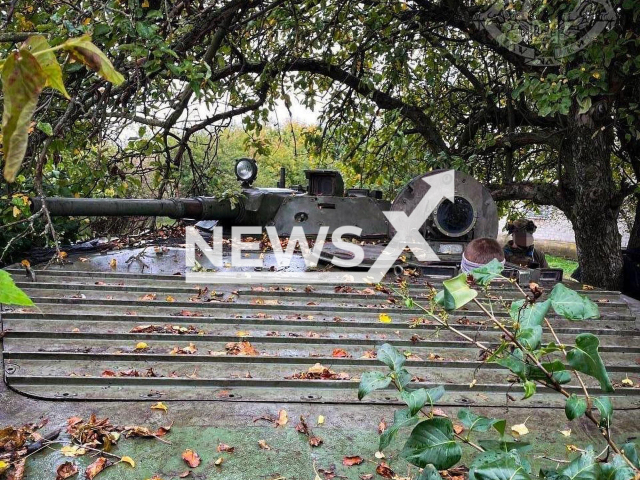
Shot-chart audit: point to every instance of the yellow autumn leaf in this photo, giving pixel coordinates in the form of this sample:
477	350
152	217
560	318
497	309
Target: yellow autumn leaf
596	75
141	346
384	318
145	4
16	212
320	419
72	451
627	382
3	466
566	433
519	430
170	299
242	333
113	263
86	21
160	406
128	460
219	461
25	263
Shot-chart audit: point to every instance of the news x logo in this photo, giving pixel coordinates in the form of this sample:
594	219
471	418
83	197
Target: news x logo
249	269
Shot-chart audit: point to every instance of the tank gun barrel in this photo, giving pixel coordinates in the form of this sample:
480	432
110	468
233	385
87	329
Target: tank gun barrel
199	208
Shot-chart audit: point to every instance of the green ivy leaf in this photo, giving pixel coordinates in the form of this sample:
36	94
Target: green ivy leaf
431	473
401	418
585	467
456	293
10	294
370	381
432	442
530	316
529	389
22	82
585	358
617	469
575	407
403	377
472	422
495	465
530	337
504	445
604	406
48	62
82	50
485	274
571	305
416	399
631	453
391	357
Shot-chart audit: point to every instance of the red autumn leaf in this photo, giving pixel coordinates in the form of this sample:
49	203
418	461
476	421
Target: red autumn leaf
339	353
350	461
384	471
66	470
96	467
108	373
191	457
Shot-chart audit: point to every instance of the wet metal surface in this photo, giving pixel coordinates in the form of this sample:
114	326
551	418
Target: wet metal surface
83	340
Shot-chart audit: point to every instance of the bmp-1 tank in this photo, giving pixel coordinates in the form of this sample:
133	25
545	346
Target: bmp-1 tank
324	202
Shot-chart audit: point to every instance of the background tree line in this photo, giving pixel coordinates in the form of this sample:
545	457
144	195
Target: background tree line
402	87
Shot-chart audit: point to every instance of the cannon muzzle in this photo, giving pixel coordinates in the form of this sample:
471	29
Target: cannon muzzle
199	208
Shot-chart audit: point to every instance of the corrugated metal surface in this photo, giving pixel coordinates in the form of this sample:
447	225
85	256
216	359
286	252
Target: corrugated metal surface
80	343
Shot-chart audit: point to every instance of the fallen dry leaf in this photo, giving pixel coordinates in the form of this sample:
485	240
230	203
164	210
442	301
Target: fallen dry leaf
263	445
96	467
366	476
350	461
190	350
222	447
18	469
340	353
457	428
141	346
566	433
320	419
148	297
170	298
160	406
519	430
282	418
66	470
384	471
379	455
243	348
72	451
191	457
382	426
128	460
384	318
219	461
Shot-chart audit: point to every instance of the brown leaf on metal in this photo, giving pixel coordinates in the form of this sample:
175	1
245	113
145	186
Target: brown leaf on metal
282	418
222	447
191	457
340	353
66	470
263	445
382	426
384	471
366	476
96	467
243	348
351	461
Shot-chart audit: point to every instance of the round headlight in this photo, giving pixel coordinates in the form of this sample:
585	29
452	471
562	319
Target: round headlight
246	170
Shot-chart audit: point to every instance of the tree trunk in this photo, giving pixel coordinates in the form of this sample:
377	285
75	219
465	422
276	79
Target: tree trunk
634	236
587	179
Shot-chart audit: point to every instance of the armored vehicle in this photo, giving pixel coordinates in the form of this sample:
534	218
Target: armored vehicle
238	365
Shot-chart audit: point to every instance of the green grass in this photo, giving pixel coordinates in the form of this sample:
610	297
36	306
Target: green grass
568	266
